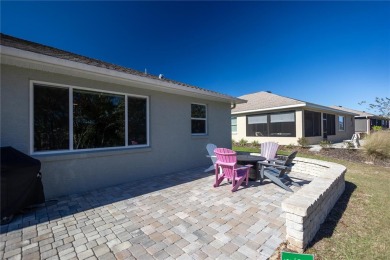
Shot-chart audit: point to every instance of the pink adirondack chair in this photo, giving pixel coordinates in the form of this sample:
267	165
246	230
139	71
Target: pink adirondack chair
227	160
268	150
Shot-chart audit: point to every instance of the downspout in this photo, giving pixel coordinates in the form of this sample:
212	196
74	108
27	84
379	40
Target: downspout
233	106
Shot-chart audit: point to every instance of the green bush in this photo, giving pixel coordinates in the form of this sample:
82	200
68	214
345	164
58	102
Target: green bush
242	142
302	141
349	145
326	144
290	146
377	145
255	143
377	128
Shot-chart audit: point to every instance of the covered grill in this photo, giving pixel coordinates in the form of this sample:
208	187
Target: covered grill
21	184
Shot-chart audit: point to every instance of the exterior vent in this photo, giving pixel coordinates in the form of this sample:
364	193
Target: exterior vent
161	76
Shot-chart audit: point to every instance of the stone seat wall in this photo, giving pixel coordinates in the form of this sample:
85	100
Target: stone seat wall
307	208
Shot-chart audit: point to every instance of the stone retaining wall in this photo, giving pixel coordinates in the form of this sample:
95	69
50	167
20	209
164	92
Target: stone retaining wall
308	208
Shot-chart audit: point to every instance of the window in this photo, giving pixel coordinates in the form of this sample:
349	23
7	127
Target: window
341	123
312	123
198	119
234	124
67	118
282	124
98	120
275	124
257	125
51	118
137	120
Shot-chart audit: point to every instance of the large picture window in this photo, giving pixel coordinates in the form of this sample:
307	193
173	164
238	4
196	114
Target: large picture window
312	123
67	118
257	125
282	124
198	119
275	124
98	120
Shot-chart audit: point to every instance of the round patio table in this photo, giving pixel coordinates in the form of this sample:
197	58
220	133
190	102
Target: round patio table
244	159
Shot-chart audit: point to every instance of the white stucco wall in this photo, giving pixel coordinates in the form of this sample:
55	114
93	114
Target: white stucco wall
172	147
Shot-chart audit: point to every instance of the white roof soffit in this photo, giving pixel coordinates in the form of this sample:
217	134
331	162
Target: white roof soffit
36	61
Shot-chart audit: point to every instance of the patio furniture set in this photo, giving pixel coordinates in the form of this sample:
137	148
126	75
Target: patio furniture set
236	168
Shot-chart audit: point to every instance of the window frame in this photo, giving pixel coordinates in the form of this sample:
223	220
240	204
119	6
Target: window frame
203	119
71	149
343	125
231	124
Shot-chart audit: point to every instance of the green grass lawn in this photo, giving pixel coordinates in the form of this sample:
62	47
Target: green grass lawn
358	227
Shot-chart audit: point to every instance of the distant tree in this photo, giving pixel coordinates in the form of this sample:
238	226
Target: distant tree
382	105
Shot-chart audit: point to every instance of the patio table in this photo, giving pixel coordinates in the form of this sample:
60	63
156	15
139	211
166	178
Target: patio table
244	159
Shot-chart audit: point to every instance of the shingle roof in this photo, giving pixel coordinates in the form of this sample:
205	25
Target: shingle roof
360	113
10	41
265	100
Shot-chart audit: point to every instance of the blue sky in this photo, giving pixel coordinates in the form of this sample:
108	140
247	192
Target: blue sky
328	53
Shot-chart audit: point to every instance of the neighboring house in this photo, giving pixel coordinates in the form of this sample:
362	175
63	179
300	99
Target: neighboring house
365	121
94	124
270	117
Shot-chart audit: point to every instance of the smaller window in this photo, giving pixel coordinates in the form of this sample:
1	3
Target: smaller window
341	123
198	119
234	124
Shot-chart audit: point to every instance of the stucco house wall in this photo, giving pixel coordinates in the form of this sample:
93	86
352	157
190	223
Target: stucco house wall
364	121
171	144
172	147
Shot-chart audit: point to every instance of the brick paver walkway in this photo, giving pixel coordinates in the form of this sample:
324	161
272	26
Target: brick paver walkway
176	216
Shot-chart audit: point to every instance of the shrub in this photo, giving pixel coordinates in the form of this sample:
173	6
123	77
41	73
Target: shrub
243	142
255	143
377	145
290	146
377	128
302	141
349	145
326	144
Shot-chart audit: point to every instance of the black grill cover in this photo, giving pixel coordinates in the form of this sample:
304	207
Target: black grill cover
21	183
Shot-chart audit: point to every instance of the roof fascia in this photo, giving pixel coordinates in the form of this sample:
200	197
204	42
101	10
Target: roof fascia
32	60
325	108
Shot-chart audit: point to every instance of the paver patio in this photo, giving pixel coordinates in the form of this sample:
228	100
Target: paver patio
175	216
